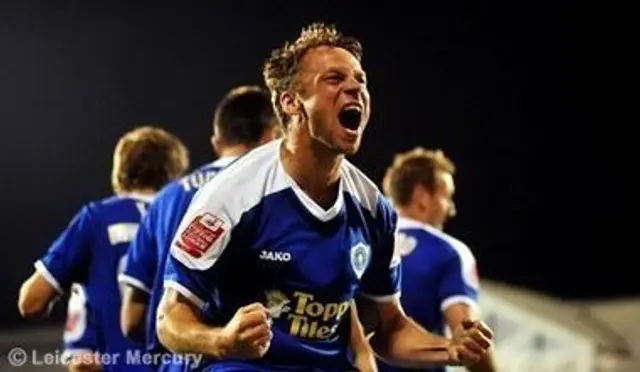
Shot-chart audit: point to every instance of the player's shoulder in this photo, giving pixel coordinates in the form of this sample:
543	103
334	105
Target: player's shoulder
436	240
103	205
118	206
365	191
248	179
169	191
194	180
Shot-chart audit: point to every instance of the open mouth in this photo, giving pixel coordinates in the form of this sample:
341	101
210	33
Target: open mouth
349	117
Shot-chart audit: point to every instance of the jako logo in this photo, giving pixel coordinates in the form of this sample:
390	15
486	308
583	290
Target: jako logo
275	256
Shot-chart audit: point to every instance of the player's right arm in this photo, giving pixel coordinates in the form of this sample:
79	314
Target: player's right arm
60	266
190	281
458	293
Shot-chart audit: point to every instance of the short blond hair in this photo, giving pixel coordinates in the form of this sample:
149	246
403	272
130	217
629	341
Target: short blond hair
412	168
147	158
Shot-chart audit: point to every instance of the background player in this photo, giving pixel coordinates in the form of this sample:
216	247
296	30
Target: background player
295	226
439	279
243	120
90	250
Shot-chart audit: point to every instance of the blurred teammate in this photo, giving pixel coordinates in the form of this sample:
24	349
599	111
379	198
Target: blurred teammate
89	253
267	260
243	119
439	279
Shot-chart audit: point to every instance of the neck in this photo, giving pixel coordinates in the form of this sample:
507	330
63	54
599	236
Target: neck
414	213
235	150
314	167
146	192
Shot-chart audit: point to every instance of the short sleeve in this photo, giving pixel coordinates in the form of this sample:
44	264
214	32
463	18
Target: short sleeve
459	278
201	239
381	280
67	259
142	256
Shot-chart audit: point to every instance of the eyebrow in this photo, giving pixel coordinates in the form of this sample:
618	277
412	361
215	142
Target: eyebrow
338	70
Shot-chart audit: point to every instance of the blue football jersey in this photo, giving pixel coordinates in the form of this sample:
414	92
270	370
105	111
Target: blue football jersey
86	258
148	251
252	235
438	271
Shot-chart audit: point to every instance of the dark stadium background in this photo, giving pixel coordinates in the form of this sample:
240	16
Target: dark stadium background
500	87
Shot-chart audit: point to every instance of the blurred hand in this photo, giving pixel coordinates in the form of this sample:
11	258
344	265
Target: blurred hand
248	334
470	342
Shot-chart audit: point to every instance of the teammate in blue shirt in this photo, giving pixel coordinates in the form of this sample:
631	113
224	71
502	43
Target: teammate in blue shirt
439	279
243	120
86	257
270	254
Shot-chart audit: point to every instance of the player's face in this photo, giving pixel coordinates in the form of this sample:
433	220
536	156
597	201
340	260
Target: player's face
334	98
441	206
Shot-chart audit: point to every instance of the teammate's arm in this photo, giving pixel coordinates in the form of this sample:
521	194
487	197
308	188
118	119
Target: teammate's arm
365	359
133	313
37	297
458	294
61	265
138	277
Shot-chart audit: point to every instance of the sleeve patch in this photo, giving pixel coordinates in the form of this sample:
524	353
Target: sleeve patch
200	235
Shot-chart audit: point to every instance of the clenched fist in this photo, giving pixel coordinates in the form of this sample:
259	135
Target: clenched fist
470	342
248	334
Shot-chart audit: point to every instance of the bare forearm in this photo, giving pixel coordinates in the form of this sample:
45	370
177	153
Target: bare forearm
189	337
406	343
36	298
365	359
181	331
133	313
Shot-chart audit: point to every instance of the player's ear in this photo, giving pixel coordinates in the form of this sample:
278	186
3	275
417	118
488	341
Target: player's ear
290	105
215	143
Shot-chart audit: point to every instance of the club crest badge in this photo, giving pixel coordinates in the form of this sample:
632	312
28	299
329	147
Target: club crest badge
360	256
277	303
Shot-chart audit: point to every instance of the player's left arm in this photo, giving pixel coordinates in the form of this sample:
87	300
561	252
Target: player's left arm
458	292
60	266
397	339
365	359
138	277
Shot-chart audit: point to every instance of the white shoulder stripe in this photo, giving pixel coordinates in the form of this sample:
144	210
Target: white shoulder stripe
248	181
226	198
360	187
